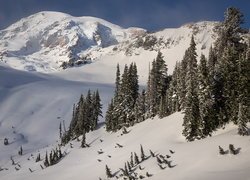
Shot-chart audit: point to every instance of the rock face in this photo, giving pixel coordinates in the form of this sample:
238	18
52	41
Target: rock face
51	41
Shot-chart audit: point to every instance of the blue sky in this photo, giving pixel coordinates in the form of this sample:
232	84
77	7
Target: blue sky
149	14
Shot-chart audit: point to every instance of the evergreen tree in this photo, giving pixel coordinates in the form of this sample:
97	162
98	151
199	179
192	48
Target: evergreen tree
20	152
152	92
38	158
80	117
163	109
97	109
183	79
109	118
121	111
108	172
192	122
143	157
242	120
204	97
244	92
132	160
228	49
158	83
117	81
230	31
46	161
140	107
83	143
60	130
136	159
88	108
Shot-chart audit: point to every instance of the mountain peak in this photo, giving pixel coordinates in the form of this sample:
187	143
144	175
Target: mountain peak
47	40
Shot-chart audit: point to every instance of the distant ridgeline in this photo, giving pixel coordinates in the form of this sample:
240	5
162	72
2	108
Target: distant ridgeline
211	94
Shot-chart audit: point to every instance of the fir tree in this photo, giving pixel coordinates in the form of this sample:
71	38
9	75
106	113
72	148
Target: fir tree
192	122
132	160
97	109
20	152
117	81
244	93
108	172
204	97
228	49
140	107
242	120
46	161
60	130
143	157
158	83
88	108
38	158
109	117
136	159
83	143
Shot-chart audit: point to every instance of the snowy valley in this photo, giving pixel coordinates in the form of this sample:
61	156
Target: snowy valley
49	59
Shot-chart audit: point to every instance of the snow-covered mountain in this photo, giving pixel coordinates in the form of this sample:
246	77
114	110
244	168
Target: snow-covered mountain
33	103
44	41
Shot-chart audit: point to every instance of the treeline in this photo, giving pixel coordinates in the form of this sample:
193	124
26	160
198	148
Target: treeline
84	117
120	111
211	94
128	106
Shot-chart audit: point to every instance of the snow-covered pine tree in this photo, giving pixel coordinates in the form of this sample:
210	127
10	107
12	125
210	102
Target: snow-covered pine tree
38	158
140	107
192	122
163	108
183	80
228	48
152	92
20	152
80	114
132	160
83	143
204	97
143	157
109	120
117	81
213	90
242	120
158	83
97	109
137	161
108	172
126	93
174	91
244	92
88	108
46	160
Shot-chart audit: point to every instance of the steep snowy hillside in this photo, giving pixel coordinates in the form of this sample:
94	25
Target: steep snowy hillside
51	41
33	105
189	160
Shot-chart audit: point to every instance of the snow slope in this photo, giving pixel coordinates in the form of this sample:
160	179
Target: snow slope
196	160
33	105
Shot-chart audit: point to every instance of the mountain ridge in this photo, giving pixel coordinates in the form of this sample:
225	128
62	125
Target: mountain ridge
51	41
